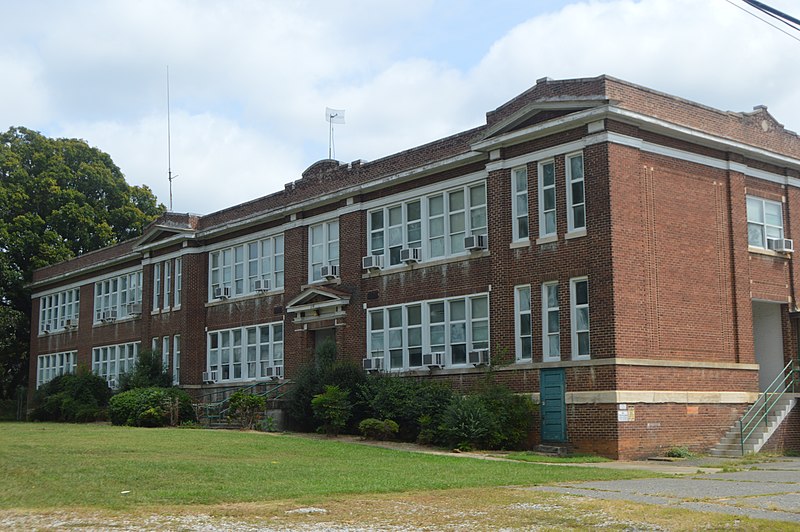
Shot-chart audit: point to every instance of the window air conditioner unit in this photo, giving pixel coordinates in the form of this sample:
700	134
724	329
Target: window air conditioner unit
134	309
273	372
782	245
372	364
475	242
109	316
409	255
209	376
222	292
71	324
433	360
46	328
479	357
261	285
330	272
372	262
112	383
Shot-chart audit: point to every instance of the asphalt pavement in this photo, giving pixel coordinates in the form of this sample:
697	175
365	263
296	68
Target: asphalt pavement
766	490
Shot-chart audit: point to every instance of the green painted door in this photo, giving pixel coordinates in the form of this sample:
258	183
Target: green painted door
554	412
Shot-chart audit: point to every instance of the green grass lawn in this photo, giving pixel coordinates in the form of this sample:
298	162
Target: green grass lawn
572	459
47	465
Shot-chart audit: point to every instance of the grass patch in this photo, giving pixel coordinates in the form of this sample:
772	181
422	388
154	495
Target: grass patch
48	466
547	459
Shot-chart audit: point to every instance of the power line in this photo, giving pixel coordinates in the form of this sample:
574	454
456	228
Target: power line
774	13
763	20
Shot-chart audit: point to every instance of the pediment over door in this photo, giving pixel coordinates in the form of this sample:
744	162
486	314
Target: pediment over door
318	308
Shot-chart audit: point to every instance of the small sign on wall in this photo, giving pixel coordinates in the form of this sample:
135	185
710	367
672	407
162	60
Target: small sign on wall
625	413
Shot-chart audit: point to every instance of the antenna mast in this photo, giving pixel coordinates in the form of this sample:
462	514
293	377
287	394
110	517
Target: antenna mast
333	116
169	146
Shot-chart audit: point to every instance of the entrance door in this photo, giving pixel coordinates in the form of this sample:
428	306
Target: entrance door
554	412
768	341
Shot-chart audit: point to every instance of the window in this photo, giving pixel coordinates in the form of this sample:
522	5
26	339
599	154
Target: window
246	352
118	297
551	328
59	311
579	306
165	353
401	334
112	361
764	222
547	199
178	282
156	285
519	202
176	359
522	302
239	267
576	200
436	224
51	366
324	248
167	284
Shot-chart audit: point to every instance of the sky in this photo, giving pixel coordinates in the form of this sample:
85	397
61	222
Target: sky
249	80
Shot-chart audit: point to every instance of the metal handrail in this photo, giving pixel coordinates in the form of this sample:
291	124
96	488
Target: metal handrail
761	408
221	412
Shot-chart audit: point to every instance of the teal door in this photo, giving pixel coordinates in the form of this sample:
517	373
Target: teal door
554	412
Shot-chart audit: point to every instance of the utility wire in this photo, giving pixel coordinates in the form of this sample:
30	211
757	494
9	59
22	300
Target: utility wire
763	20
774	13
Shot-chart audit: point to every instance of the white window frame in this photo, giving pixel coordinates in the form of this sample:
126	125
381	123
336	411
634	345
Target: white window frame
56	309
547	335
51	365
473	213
574	309
111	361
268	258
520	196
572	204
116	293
176	359
165	353
765	230
543	233
329	248
235	346
178	283
523	310
167	284
472	324
156	286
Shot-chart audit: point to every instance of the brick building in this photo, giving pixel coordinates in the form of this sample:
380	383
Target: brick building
621	254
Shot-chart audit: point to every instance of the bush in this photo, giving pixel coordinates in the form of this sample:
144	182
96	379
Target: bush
514	415
409	402
678	452
78	398
375	429
151	407
245	408
147	372
332	408
467	423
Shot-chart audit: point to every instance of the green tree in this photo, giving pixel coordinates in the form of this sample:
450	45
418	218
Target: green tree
58	198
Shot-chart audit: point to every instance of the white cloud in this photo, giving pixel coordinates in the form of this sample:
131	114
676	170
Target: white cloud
250	79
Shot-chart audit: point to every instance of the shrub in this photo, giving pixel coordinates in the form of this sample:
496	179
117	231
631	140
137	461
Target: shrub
467	423
147	372
514	415
245	408
375	429
81	397
151	407
678	452
299	414
332	408
409	402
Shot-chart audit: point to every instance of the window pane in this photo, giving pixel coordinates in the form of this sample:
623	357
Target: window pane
524	299
377	320
457	310
396	317
550	222
458	332
520	180
582	319
395	216
456	200
480	308
581	293
395	339
413	211
436	205
414	315
522	227
477	196
376	220
552	321
583	343
549	199
525	324
577	193
579	216
548	174
437	312
576	167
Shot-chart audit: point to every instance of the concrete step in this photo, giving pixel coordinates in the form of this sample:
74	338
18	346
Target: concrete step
555	450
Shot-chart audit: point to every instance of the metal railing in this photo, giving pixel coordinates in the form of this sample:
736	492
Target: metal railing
213	404
786	381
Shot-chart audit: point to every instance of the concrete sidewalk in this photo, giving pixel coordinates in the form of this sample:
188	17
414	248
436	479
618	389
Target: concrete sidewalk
769	490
